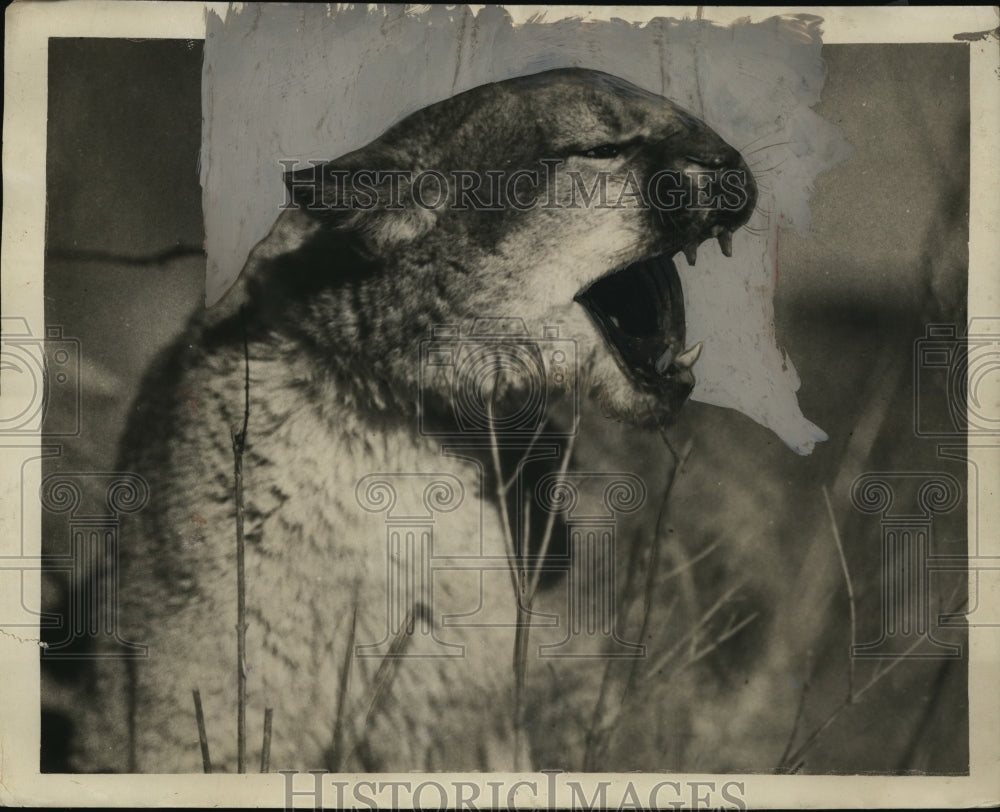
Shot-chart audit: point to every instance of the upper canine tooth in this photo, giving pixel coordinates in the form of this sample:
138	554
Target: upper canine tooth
691	253
687	358
725	238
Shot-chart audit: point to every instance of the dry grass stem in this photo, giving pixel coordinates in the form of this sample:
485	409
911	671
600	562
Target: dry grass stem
850	591
239	445
694	630
793	763
199	713
387	667
265	749
799	711
337	750
543	548
517	557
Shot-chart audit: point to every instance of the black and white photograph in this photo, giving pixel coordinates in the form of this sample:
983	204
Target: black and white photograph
482	406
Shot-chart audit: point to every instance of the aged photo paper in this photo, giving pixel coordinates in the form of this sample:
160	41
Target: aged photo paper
499	407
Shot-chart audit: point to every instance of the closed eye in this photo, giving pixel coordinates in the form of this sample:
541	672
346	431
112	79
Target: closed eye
603	151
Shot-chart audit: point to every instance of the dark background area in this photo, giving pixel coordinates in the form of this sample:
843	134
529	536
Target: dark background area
887	254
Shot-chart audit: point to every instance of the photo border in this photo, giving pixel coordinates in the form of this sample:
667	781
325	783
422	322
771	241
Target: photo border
28	27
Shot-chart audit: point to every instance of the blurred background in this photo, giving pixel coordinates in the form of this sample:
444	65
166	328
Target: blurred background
748	621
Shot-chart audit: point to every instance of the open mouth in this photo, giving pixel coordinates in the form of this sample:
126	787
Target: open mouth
639	310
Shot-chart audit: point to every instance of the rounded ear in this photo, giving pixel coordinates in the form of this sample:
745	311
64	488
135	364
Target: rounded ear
359	192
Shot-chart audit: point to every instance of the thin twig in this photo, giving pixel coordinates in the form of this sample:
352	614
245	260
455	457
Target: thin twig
799	711
889	668
551	519
387	667
522	632
516	558
722	638
796	759
525	537
594	736
719	603
690	562
206	761
531	444
265	749
680	458
345	672
850	591
933	702
522	618
501	493
239	445
385	673
814	580
526	598
653	564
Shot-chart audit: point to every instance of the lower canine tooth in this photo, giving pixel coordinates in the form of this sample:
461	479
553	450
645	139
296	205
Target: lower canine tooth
687	358
725	238
691	253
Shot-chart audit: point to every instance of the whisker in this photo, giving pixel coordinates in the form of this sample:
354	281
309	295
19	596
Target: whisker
768	146
753	141
776	166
